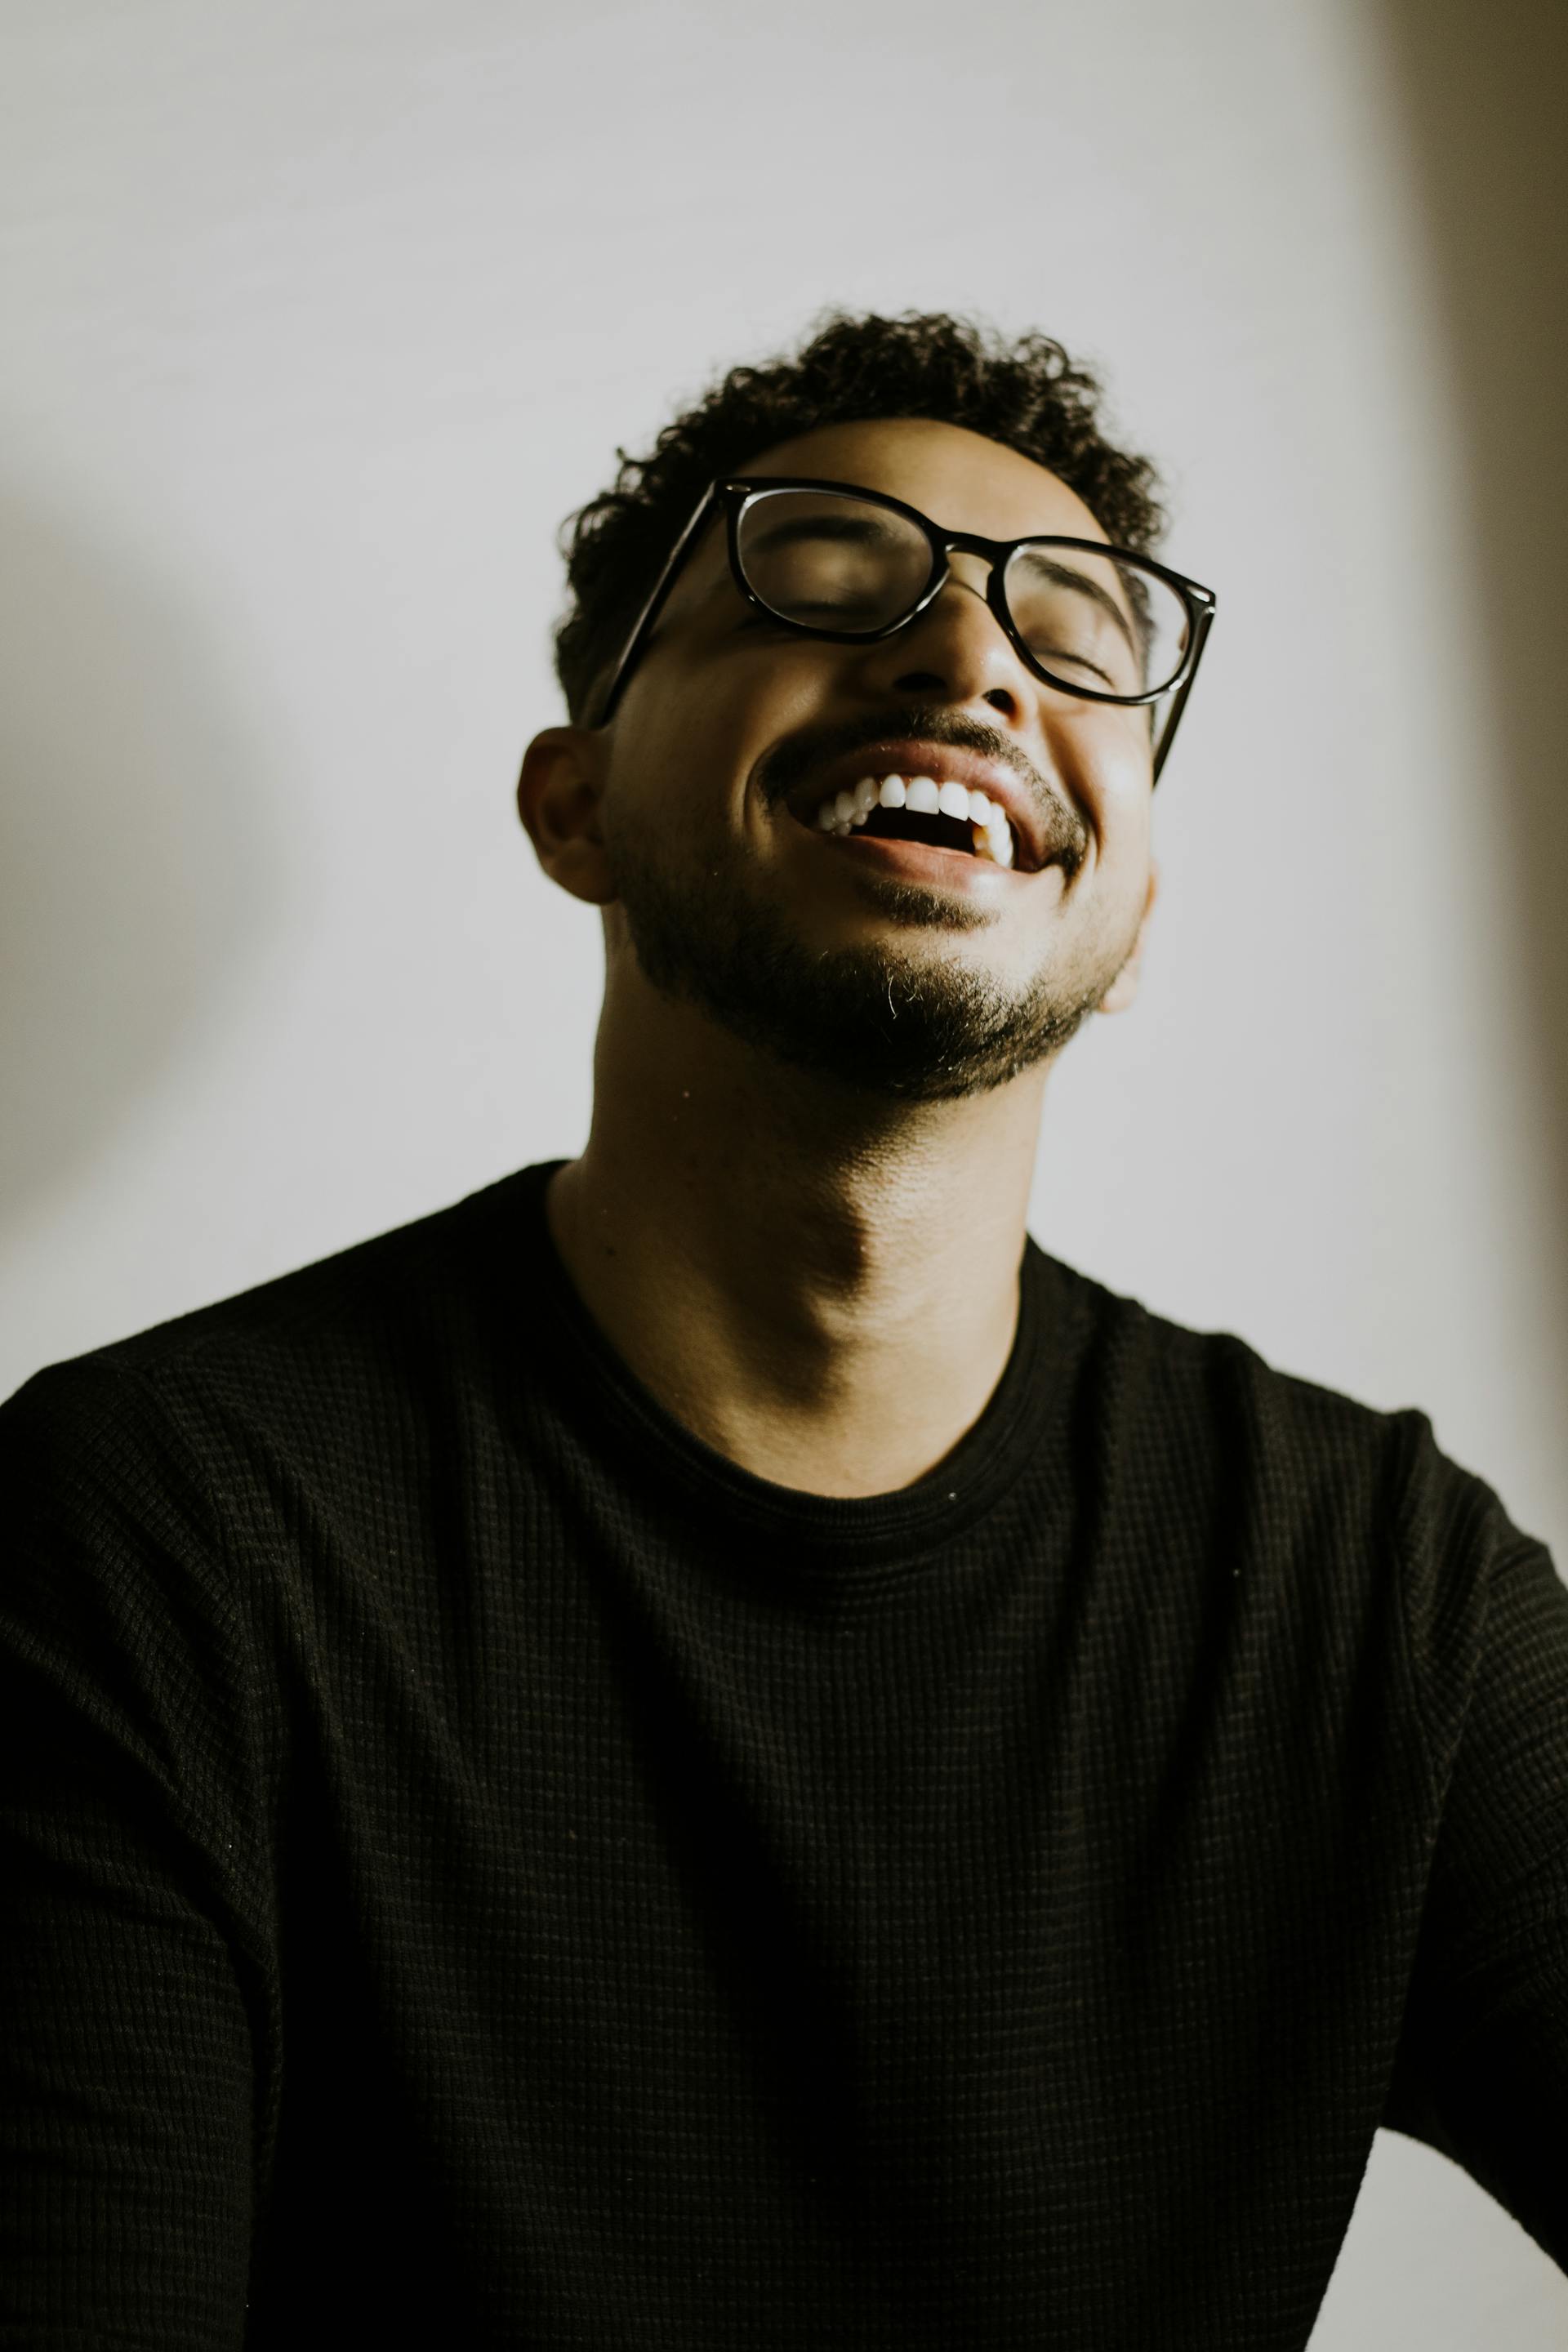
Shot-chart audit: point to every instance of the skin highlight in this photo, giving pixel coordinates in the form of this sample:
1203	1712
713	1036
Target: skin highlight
799	1217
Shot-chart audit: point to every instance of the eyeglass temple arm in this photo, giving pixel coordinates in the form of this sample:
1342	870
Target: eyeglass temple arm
650	614
1167	734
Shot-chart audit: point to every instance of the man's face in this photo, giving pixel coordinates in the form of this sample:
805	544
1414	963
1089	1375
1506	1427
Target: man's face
919	973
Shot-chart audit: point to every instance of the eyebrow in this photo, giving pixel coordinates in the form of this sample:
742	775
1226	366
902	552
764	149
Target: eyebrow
793	527
823	526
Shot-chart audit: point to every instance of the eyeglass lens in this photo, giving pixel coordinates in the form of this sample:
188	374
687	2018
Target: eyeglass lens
831	560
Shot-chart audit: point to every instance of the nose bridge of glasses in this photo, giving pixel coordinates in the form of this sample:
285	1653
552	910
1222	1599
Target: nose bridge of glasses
972	567
972	562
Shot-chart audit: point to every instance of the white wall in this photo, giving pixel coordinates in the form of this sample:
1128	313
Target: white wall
318	321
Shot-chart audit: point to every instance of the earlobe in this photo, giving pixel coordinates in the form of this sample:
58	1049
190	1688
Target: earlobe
558	796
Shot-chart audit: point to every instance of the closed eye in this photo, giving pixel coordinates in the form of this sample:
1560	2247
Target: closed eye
1059	658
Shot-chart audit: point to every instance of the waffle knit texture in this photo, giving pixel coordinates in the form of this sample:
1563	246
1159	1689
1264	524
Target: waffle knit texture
482	1869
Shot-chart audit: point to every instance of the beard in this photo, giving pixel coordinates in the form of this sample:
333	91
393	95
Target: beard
909	1029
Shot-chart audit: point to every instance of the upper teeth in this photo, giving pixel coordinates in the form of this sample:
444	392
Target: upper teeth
844	812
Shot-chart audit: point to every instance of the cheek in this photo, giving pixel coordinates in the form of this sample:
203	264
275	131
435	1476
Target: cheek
667	791
1107	764
693	738
1109	740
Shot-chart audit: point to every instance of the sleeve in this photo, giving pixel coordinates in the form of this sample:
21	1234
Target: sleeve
131	1966
1482	2069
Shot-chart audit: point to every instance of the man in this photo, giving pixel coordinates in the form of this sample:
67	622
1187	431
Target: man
709	1749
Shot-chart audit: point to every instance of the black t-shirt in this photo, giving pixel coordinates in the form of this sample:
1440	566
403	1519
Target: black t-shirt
482	1868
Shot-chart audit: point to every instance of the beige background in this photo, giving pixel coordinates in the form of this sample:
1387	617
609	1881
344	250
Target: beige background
318	319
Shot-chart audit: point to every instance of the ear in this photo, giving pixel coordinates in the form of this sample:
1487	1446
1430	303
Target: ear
1124	987
559	794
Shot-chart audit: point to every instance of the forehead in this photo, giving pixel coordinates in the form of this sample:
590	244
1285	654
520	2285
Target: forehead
957	478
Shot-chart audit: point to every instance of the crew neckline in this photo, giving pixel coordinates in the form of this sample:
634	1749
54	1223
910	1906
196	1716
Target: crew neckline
837	1533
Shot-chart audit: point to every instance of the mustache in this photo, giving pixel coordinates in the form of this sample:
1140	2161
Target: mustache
1062	829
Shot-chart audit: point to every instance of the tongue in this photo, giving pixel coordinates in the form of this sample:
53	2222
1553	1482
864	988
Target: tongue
909	824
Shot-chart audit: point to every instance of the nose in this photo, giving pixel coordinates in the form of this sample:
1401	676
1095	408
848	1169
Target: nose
956	650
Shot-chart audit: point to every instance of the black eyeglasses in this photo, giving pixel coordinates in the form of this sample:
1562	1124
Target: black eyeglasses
829	559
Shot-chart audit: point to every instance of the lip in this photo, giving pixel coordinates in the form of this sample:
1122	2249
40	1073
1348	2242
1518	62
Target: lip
906	756
920	861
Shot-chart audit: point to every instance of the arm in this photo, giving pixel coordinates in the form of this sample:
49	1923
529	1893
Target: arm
130	1980
1483	2071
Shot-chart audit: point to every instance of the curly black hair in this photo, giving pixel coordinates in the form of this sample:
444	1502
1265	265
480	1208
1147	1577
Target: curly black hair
1028	394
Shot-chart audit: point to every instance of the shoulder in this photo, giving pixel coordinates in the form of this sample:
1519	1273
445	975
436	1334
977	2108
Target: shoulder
1202	1416
333	1338
1205	1389
1354	1522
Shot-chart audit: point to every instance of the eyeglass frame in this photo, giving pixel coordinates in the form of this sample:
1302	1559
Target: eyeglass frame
733	494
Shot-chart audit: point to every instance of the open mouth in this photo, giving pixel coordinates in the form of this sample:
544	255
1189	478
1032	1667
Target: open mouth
917	808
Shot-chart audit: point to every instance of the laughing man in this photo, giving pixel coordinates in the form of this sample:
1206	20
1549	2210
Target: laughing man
709	1749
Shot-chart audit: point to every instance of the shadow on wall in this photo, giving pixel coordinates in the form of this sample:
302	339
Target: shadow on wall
1482	90
132	878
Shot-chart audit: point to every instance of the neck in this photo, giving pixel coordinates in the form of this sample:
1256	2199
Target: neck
822	1286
